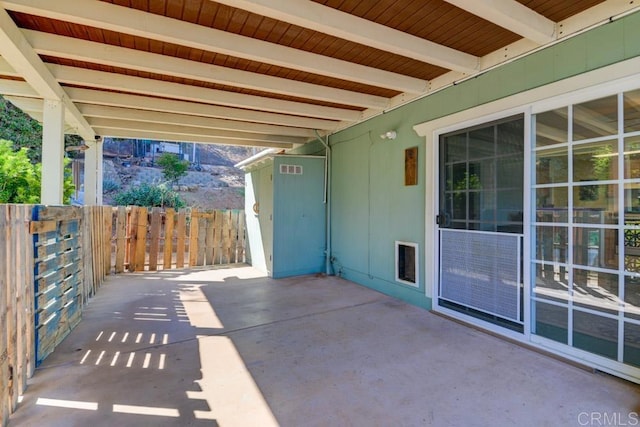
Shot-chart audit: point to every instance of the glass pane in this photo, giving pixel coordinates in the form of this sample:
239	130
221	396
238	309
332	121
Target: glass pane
551	127
632	111
552	166
511	138
551	322
459	177
632	204
596	290
552	204
632	157
482	143
631	344
595	334
632	250
509	205
475	204
551	244
595	247
597	161
595	204
460	205
482	175
509	171
455	148
632	297
448	174
595	118
551	282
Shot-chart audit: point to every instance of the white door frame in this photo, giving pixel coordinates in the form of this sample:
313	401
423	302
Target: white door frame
591	85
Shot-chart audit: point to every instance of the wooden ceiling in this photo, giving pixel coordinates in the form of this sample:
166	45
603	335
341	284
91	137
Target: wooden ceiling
266	73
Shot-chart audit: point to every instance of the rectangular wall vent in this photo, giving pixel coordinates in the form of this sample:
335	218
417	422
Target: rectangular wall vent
407	263
290	169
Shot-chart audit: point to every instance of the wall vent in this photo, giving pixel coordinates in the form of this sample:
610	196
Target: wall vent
407	263
290	169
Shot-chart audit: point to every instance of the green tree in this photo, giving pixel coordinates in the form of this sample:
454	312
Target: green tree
20	178
172	167
18	127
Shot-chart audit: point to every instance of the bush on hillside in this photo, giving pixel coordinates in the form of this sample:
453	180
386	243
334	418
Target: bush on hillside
172	168
149	196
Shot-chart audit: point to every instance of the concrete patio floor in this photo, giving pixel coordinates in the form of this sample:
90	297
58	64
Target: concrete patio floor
231	348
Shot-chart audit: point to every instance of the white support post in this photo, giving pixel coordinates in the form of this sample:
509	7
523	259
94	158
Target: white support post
90	174
99	170
93	174
51	191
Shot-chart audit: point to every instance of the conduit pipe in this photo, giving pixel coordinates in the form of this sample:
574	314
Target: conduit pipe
327	199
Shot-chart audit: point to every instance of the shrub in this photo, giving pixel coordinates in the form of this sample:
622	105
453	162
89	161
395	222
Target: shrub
109	186
172	167
20	179
149	196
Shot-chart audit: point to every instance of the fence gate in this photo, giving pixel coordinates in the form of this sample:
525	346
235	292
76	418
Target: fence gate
57	275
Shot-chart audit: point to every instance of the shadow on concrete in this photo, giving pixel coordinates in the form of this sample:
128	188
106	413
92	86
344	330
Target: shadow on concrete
226	346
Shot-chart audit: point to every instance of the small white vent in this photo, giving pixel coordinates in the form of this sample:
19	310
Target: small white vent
290	170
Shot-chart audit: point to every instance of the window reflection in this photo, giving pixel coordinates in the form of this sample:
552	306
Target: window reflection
595	118
596	290
595	204
632	157
551	244
595	247
597	161
632	111
552	204
632	297
551	127
552	166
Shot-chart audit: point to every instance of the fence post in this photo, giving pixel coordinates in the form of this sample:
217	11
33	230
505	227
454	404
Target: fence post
168	239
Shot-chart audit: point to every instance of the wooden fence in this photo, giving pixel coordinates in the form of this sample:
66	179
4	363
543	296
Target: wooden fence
155	239
53	259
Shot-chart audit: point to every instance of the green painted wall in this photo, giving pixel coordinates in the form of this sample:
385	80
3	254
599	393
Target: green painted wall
371	207
259	192
299	224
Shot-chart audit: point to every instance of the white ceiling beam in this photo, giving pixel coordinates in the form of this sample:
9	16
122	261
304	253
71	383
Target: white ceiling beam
17	51
82	50
121	19
331	21
97	97
102	111
103	123
17	88
513	16
121	82
6	69
160	136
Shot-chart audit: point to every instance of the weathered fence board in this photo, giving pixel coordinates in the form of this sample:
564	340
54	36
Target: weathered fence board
153	239
121	240
16	305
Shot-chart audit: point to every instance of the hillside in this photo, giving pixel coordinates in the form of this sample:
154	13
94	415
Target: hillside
211	183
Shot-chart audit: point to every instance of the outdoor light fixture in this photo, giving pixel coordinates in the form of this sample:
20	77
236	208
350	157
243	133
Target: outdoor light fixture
82	147
390	134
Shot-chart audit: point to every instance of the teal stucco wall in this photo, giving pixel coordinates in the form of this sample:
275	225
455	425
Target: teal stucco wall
259	195
299	213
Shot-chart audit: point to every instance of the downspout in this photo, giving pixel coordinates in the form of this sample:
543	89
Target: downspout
327	199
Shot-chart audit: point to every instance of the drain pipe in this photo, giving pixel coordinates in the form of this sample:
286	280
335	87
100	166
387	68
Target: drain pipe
327	199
